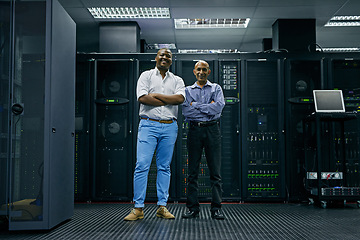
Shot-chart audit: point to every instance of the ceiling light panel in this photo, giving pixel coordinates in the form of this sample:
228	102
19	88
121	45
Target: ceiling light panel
208	51
161	45
211	23
129	12
353	49
343	21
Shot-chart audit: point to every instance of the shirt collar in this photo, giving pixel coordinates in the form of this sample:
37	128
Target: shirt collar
157	71
195	85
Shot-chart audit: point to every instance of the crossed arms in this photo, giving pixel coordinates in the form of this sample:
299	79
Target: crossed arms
158	99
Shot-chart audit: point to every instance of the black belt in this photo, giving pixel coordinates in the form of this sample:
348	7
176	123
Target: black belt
203	124
160	121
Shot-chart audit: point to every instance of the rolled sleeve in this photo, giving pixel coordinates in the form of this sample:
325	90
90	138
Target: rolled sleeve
180	87
142	87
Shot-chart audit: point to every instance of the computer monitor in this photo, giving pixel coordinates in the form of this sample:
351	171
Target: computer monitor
329	101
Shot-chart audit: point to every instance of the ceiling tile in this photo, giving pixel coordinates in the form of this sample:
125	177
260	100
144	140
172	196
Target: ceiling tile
263	14
295	12
71	3
212	12
283	3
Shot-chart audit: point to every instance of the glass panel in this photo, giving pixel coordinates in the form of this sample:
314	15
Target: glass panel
113	141
4	100
28	128
82	111
262	176
346	76
230	127
303	77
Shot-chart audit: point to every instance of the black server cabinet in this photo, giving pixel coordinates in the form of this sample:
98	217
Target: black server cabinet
229	79
40	81
302	76
185	70
328	170
344	74
262	125
5	33
84	74
112	125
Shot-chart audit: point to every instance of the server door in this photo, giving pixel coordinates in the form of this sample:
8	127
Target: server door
262	138
302	77
5	66
84	74
345	75
229	79
40	132
112	141
26	162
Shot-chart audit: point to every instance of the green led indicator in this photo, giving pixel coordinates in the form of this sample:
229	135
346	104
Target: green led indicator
111	100
229	100
306	100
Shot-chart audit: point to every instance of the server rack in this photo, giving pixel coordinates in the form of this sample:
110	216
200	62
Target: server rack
5	65
229	79
327	181
262	130
283	78
84	74
337	177
112	126
40	148
302	76
344	74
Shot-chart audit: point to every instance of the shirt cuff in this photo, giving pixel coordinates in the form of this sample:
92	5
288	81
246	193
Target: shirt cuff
182	94
195	105
141	93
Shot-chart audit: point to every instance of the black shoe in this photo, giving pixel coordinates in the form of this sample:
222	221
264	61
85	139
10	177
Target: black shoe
217	214
191	214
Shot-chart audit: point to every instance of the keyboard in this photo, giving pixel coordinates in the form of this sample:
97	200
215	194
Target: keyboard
337	115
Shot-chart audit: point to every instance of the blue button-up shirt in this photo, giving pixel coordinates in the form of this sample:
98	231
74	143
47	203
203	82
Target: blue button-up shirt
201	108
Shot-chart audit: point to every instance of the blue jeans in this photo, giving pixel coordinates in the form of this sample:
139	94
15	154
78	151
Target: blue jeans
160	137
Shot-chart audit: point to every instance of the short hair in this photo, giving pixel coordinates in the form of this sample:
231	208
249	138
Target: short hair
202	61
167	49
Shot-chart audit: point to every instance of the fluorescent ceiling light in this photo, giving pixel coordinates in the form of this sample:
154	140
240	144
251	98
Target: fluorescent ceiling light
129	12
161	45
187	23
339	49
343	21
208	51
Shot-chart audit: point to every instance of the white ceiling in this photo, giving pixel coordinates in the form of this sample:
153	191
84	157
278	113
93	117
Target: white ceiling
263	14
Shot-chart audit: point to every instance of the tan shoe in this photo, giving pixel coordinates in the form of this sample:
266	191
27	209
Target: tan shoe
162	212
135	214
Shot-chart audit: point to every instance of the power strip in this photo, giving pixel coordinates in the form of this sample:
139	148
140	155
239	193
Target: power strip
325	175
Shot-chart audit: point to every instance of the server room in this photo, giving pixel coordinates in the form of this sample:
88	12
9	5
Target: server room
166	119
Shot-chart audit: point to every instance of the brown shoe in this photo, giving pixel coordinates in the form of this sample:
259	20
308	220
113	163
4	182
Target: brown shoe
162	212
135	214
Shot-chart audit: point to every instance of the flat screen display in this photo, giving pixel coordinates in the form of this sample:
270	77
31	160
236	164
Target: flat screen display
329	101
